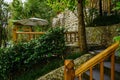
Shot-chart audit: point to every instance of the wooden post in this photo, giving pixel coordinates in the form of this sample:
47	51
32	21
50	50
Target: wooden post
113	66
15	34
109	7
69	72
91	73
30	35
102	70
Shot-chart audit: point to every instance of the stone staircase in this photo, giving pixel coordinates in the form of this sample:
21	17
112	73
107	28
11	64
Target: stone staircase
107	67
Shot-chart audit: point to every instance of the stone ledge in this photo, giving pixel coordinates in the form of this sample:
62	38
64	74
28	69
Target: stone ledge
58	74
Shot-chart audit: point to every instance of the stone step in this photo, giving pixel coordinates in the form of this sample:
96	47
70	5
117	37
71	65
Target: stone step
96	75
96	72
108	65
78	79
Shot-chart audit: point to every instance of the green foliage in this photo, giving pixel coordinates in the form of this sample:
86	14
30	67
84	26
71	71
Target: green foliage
117	6
17	9
117	38
90	15
37	8
55	38
30	8
35	73
23	55
105	20
3	22
61	5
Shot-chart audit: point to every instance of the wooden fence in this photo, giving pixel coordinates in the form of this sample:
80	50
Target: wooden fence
30	35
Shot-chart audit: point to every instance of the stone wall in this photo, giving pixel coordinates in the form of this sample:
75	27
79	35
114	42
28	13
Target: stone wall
95	35
66	19
102	35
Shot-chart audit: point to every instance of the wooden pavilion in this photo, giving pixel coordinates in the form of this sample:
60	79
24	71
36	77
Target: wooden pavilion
25	27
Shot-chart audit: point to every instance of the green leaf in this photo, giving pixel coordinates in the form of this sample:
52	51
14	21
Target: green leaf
117	38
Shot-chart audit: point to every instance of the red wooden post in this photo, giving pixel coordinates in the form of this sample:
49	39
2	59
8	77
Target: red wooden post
69	72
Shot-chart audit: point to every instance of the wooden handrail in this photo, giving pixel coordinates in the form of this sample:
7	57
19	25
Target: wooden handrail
94	61
70	37
15	36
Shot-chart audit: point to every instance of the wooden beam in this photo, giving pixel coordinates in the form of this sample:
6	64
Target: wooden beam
30	32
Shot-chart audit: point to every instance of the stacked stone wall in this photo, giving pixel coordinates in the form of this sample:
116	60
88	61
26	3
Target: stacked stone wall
95	35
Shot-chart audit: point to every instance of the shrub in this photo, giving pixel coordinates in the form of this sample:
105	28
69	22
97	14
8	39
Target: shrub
116	39
105	20
23	55
52	42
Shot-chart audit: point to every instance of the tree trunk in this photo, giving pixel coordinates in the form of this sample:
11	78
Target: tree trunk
100	7
81	27
0	24
0	35
109	7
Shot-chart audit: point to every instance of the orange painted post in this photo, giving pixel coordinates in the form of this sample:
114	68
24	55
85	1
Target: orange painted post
91	73
113	67
69	72
80	76
102	70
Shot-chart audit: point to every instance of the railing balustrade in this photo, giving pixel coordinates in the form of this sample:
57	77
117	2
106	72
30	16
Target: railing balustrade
15	36
70	73
70	37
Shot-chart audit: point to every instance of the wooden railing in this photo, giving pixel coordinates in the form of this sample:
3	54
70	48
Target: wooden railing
15	36
70	73
70	37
